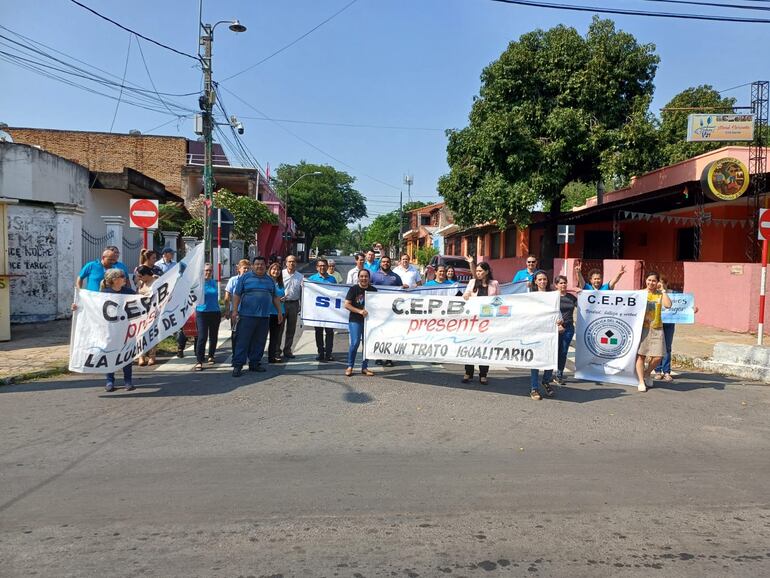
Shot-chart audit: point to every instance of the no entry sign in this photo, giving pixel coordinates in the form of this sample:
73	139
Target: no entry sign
143	214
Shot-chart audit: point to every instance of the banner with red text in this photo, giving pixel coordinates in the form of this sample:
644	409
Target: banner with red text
109	330
502	331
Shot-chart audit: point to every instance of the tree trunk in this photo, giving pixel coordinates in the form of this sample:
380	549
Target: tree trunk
549	250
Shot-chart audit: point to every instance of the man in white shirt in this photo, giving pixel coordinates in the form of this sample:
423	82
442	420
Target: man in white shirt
408	272
352	278
292	285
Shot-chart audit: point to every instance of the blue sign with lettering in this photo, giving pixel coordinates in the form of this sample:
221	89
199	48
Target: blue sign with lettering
682	309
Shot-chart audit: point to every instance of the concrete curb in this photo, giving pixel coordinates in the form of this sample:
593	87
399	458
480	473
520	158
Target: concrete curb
39	374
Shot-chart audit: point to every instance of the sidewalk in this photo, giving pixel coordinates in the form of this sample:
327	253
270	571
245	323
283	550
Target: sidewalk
41	349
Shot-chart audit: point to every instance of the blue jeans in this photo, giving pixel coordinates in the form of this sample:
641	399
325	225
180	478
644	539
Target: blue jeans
356	329
534	374
128	372
251	339
668	336
565	339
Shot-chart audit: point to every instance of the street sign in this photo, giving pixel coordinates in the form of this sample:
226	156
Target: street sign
566	234
143	214
763	230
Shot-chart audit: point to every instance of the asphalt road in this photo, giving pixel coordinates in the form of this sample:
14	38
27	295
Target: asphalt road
304	472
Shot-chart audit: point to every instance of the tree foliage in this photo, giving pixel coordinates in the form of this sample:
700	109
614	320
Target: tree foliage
385	228
320	205
546	111
249	215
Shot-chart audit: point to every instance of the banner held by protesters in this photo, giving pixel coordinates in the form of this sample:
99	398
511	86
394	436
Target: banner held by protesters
502	331
609	329
109	330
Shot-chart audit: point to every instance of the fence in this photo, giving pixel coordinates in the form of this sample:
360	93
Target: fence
94	246
130	254
673	271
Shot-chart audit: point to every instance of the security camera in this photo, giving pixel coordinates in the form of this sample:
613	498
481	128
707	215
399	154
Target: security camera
239	128
236	124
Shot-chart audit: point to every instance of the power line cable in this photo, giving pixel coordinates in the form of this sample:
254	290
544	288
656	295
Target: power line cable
626	12
147	70
350	125
39	44
308	143
120	96
735	87
119	25
711	4
293	42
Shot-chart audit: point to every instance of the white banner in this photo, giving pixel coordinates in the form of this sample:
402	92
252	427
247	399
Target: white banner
109	330
323	304
609	327
502	331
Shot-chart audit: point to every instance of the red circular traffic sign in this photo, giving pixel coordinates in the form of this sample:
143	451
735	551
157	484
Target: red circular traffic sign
143	213
763	229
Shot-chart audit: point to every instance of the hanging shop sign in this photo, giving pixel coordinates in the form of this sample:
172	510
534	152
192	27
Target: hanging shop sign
725	179
720	127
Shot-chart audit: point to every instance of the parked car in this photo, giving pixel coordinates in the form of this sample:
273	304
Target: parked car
462	271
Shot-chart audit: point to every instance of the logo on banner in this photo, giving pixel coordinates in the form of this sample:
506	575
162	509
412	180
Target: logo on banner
609	338
495	309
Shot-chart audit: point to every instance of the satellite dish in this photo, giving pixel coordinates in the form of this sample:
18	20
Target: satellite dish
5	137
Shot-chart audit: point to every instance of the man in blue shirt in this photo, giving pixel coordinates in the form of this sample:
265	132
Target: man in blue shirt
596	280
92	272
252	296
166	262
372	264
324	349
527	274
385	276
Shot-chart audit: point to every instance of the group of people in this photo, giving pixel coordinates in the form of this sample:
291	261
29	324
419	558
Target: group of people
263	301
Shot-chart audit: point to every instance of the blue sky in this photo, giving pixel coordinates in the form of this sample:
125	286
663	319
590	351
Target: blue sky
406	63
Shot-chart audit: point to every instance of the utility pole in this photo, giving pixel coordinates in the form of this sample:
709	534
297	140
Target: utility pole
408	181
206	103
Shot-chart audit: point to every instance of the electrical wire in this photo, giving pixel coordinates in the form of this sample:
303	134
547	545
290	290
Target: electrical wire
349	125
120	96
627	12
293	42
735	87
711	4
147	70
308	143
119	25
51	48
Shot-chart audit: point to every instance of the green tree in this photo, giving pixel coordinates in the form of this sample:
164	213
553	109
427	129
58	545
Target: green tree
249	215
322	204
673	123
385	228
546	110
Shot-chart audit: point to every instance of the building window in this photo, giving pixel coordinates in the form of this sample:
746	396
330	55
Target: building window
482	246
458	246
685	244
494	250
424	220
511	239
598	245
471	244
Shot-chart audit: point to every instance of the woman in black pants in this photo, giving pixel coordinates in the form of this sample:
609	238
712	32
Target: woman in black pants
276	329
207	318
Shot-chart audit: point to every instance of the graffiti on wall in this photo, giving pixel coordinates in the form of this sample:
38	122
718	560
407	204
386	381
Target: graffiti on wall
32	262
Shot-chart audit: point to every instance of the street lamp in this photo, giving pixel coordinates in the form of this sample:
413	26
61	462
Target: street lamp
286	208
207	105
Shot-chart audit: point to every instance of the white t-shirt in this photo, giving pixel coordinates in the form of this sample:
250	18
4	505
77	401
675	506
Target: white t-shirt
410	276
352	276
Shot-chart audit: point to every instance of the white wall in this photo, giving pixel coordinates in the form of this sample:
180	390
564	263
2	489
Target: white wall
27	173
100	202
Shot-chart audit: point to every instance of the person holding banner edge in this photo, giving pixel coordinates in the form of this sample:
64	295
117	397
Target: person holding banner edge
324	349
567	306
355	302
252	296
652	346
483	285
207	318
386	277
541	283
276	327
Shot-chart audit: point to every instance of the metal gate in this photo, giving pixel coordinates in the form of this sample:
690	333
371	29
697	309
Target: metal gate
130	253
236	254
93	246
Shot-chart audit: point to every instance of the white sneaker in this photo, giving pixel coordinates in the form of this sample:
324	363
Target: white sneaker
642	387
